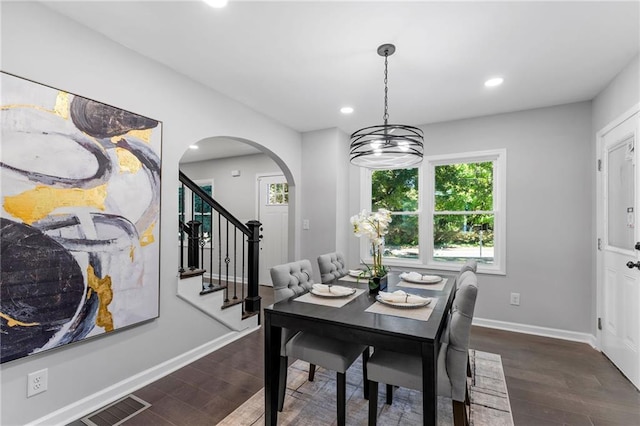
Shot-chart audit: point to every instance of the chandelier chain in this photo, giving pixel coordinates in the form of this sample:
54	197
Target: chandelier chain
386	89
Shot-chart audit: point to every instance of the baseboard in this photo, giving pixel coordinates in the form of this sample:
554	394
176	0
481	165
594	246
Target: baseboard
91	403
555	333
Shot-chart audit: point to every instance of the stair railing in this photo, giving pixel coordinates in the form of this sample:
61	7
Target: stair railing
230	253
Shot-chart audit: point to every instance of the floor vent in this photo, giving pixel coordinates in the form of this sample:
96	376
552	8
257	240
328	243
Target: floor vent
118	412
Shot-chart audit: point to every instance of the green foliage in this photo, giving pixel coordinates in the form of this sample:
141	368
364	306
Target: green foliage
397	191
464	187
394	190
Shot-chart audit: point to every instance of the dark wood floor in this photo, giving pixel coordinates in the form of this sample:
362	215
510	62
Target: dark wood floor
550	382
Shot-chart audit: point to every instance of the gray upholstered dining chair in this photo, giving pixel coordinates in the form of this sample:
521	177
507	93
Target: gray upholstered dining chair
469	265
405	370
294	279
332	266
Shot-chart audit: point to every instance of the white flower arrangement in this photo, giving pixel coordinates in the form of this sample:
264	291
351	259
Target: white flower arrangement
373	226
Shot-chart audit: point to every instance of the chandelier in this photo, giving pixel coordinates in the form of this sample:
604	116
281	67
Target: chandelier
386	146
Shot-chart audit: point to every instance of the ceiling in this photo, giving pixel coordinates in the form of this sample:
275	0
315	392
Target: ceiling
298	62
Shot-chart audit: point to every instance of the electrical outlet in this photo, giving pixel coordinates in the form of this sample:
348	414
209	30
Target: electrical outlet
515	299
37	382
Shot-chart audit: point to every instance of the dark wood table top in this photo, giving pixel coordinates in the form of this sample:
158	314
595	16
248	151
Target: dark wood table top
352	323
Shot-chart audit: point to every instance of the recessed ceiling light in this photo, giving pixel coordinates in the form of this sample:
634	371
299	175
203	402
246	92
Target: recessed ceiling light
216	3
346	110
492	82
193	146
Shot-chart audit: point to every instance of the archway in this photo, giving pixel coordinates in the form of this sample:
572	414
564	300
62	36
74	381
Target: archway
231	168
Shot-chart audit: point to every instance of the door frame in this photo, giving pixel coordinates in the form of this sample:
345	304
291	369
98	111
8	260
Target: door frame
600	213
257	203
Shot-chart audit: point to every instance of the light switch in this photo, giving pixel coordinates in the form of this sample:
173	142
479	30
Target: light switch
305	224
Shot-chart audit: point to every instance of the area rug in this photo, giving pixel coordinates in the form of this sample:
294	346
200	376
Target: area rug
314	403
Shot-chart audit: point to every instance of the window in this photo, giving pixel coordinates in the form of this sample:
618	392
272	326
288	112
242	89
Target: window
397	191
450	209
194	208
278	194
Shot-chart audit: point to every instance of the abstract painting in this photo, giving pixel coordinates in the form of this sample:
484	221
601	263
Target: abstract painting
80	218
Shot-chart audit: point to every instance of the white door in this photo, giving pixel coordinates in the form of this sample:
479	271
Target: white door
620	283
273	213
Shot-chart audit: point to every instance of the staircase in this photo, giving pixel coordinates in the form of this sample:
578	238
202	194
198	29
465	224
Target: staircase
220	275
213	304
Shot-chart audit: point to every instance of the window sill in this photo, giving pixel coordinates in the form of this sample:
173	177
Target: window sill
416	264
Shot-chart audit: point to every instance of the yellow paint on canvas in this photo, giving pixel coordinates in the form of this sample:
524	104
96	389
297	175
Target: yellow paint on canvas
39	108
62	105
132	252
35	204
147	236
143	135
12	322
102	287
128	162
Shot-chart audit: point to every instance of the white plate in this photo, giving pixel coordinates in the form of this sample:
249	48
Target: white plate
403	305
359	274
332	295
433	279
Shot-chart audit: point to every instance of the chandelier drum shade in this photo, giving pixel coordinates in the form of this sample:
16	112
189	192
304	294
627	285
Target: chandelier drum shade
386	146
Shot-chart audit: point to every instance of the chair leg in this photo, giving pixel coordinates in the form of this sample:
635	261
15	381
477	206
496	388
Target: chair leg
342	398
389	394
312	372
373	402
467	401
365	361
459	414
282	381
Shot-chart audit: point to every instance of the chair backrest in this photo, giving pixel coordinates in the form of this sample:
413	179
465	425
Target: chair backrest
291	279
469	265
457	333
332	266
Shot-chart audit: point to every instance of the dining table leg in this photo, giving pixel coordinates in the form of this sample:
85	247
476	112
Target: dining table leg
272	337
429	384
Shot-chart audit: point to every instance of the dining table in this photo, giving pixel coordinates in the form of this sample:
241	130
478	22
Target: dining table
359	320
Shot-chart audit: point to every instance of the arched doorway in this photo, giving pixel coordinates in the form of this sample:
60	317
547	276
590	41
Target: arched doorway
251	182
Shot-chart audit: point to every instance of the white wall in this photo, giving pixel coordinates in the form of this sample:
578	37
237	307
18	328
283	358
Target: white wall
236	194
548	212
45	47
324	173
622	93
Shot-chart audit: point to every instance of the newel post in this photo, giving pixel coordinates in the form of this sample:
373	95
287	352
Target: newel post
193	245
252	301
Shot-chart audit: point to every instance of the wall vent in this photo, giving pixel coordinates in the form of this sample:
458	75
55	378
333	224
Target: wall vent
117	413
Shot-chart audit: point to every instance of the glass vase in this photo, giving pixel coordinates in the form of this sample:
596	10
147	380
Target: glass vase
377	283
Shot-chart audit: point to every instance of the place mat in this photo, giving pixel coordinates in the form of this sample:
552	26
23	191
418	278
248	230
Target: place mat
437	286
349	278
420	314
337	302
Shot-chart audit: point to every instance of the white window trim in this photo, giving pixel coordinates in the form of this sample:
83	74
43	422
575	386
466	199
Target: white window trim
425	211
499	157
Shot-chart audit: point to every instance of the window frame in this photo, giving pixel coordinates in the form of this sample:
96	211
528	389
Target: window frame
188	205
425	211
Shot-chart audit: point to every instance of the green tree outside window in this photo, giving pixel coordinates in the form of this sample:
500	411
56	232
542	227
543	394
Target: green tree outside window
398	192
